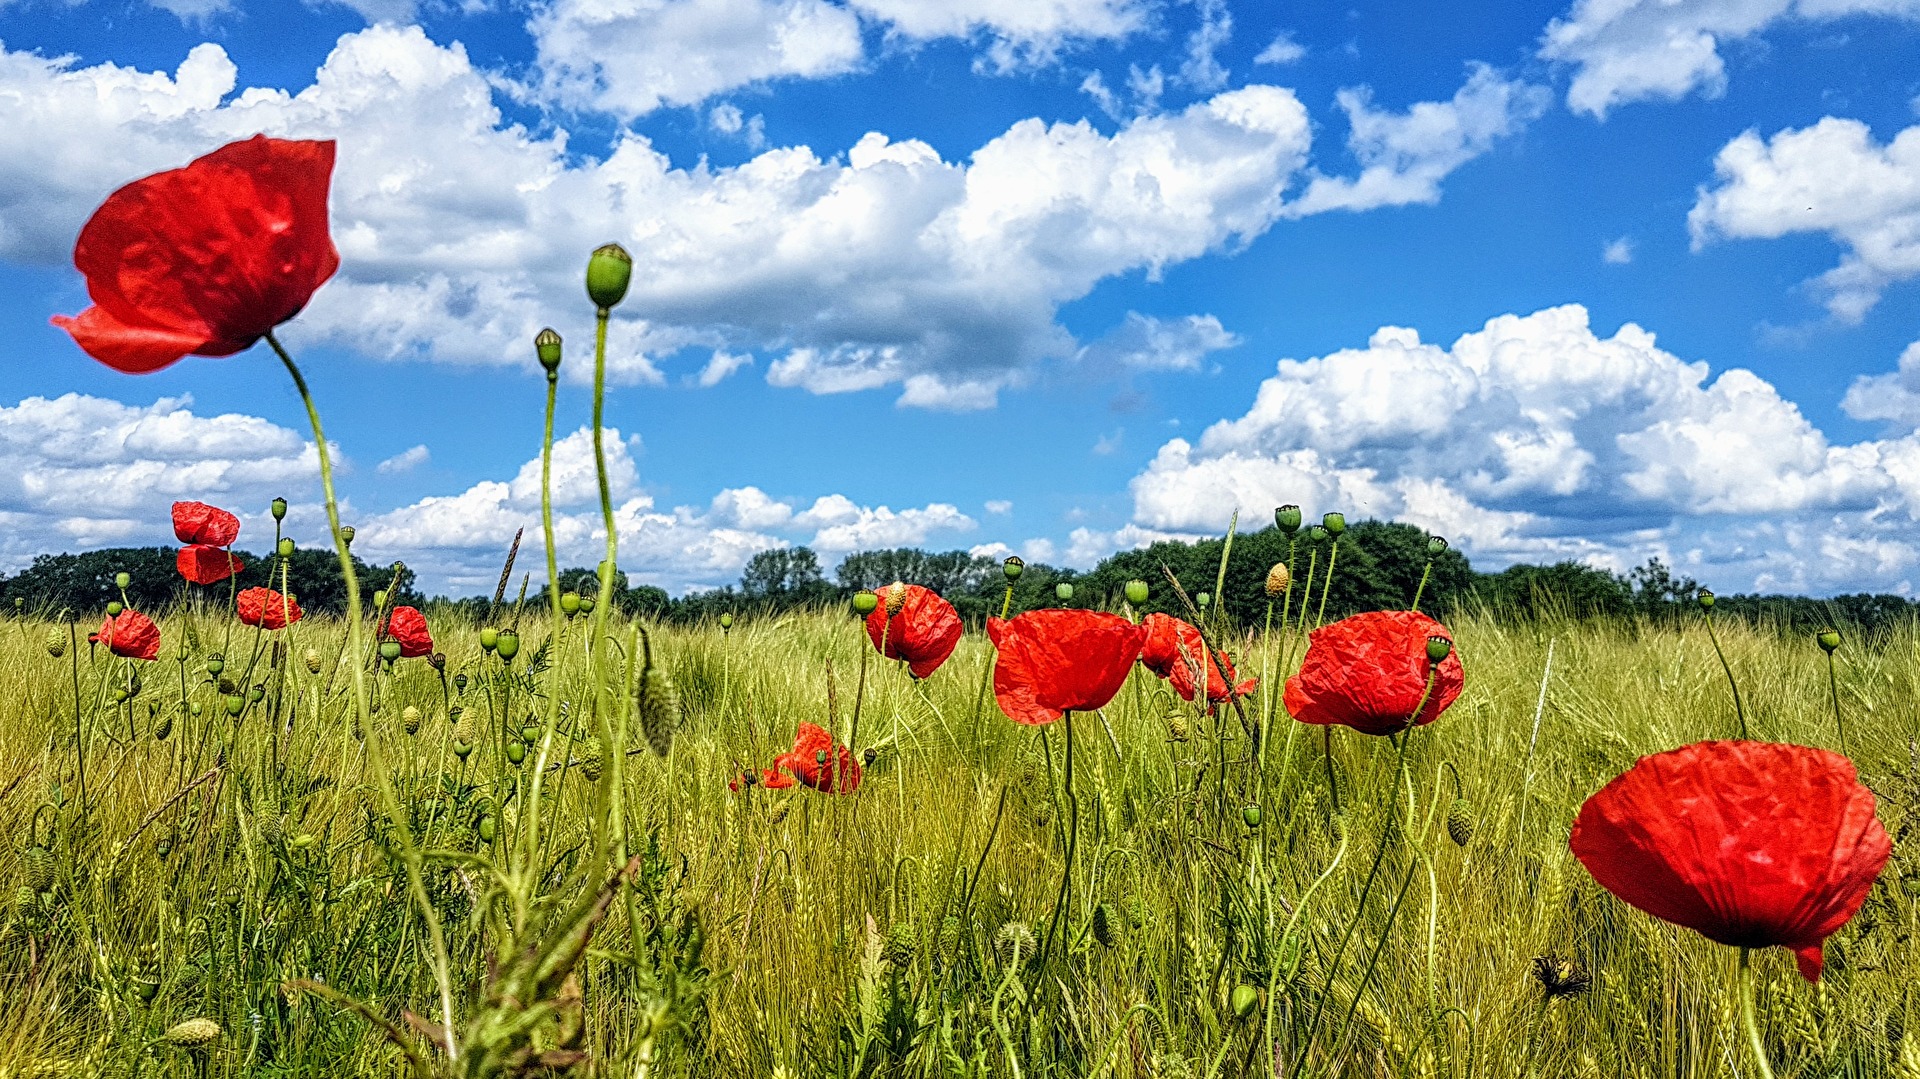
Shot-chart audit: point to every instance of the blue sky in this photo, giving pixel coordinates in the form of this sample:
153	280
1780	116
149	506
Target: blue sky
1057	277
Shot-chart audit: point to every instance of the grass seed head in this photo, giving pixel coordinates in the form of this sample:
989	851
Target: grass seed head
193	1033
312	660
37	866
659	708
410	719
56	643
1104	927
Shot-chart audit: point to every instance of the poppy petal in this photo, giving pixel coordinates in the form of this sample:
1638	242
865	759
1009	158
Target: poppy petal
203	564
134	348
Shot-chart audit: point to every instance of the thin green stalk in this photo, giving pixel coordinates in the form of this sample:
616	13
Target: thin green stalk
1833	684
552	711
1073	839
409	853
1326	587
1422	590
1738	710
1746	1015
1306	597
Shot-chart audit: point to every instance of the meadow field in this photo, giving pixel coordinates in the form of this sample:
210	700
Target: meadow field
1194	904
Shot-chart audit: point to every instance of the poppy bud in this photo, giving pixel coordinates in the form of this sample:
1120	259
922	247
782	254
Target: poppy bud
1829	640
570	603
1318	534
586	604
1706	599
487	828
896	597
410	719
609	270
122	579
516	752
1435	545
438	661
285	548
1201	599
346	535
389	650
1177	729
1460	822
278	507
489	638
379	598
507	644
461	749
1244	999
1251	815
726	620
1103	925
1013	567
114	608
1288	518
1063	591
1278	579
56	643
864	603
1334	523
312	659
1136	591
1438	648
547	347
216	663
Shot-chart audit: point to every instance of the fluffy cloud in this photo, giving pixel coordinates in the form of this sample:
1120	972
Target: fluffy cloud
404	461
1145	343
79	471
1891	398
1828	178
1019	32
1631	50
1404	156
1534	439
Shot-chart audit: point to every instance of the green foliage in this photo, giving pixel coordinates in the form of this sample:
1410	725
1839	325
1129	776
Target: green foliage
83	583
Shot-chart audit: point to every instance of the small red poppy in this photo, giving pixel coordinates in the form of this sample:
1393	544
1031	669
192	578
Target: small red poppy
1370	672
207	258
816	761
267	608
922	631
1173	647
197	522
1752	844
130	634
1055	661
409	627
204	564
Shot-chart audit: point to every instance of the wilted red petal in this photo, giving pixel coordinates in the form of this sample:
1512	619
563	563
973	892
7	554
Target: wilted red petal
1370	672
203	564
130	634
1172	650
1752	844
197	522
207	258
923	632
267	608
1054	661
409	627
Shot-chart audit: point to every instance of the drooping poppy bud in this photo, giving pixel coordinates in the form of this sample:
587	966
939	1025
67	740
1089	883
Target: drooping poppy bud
609	271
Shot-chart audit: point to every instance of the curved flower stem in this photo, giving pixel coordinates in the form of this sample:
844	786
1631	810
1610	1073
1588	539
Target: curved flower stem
1326	587
552	711
1833	684
1739	712
409	853
1746	1015
1422	590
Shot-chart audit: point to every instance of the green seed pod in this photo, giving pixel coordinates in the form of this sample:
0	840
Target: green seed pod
236	704
460	683
279	509
389	650
346	535
1705	599
586	604
1201	600
1063	591
609	271
114	608
1104	929
163	846
546	346
36	863
1137	592
216	663
1829	640
195	709
461	749
570	603
1438	648
1460	822
864	602
487	828
516	751
284	547
257	693
122	579
1251	815
1244	999
312	659
1288	518
410	719
379	599
1013	567
1334	523
56	643
726	620
1318	534
508	644
193	1034
530	732
1435	545
659	709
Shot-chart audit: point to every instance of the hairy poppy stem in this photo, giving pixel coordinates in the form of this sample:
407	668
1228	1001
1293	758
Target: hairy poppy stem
1422	590
531	851
1740	712
1073	840
1746	1015
1326	586
409	853
1833	684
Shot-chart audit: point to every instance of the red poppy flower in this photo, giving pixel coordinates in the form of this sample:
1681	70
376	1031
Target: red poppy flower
409	627
130	634
267	608
203	564
1370	672
1055	661
923	630
1172	648
207	258
1753	844
197	522
816	761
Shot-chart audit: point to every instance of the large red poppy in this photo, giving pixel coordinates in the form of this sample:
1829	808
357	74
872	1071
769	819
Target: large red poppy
267	608
1753	844
814	760
922	631
409	627
207	258
204	564
197	522
130	634
1172	649
1055	661
1370	672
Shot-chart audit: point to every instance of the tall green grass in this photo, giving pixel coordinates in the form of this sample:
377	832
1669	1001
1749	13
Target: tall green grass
891	932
